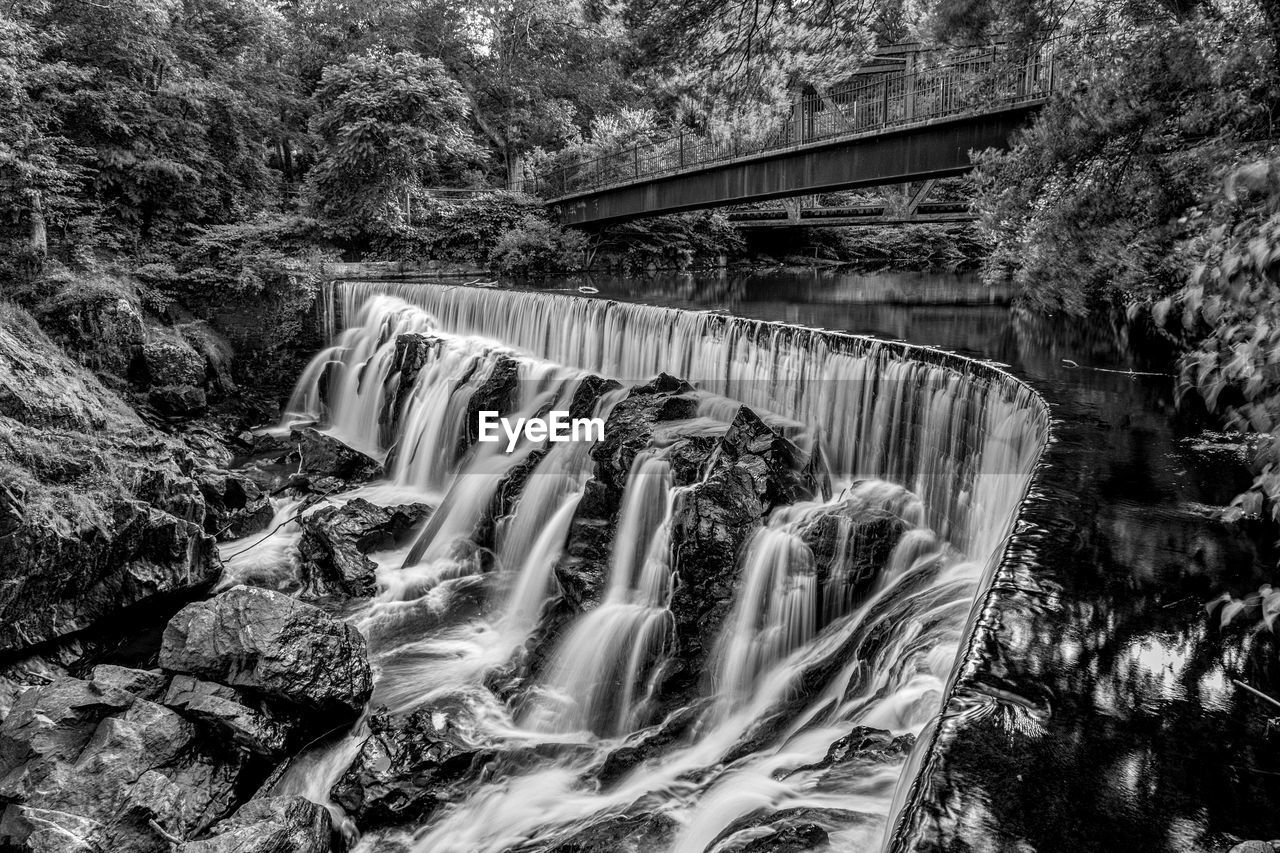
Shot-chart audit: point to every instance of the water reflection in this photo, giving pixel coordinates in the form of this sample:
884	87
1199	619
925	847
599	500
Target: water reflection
1102	713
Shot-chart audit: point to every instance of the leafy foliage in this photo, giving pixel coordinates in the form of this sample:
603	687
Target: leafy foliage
388	124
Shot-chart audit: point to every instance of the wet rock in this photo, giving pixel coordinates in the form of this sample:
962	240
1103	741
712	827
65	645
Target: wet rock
408	766
172	361
336	540
650	743
236	505
227	712
631	423
55	582
274	647
780	471
621	834
268	825
794	830
98	764
178	399
143	683
851	542
413	352
498	392
754	469
863	745
323	455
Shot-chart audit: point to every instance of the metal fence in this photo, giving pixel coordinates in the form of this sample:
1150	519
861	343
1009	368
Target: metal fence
987	81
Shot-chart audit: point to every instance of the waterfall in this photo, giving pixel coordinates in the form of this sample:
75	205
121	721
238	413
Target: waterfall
847	610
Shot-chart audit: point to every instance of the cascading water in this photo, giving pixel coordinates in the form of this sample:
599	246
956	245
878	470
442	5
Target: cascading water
845	611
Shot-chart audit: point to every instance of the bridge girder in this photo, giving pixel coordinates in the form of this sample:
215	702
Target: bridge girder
931	150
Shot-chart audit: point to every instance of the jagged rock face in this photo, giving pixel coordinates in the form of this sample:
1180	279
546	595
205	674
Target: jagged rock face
102	326
273	647
413	351
97	512
631	423
753	470
268	825
236	506
498	392
408	766
325	456
95	762
851	542
57	582
336	540
231	714
639	833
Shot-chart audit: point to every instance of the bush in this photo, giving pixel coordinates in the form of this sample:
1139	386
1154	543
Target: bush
538	247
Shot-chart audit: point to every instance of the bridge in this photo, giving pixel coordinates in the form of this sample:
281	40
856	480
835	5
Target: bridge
917	122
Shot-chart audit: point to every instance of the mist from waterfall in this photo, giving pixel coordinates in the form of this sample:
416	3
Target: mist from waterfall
939	446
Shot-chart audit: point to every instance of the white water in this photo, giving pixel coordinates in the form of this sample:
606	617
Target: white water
944	445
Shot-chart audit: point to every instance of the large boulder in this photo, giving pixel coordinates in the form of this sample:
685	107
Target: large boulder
408	766
413	352
322	455
236	506
274	647
268	825
336	540
59	580
497	392
100	322
753	470
232	715
172	361
90	766
851	543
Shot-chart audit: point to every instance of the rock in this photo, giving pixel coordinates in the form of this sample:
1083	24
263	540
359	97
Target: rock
851	542
178	399
863	745
650	743
497	392
216	353
143	683
779	470
55	582
100	323
789	838
407	766
236	505
227	712
323	455
273	647
335	541
794	830
268	825
640	833
753	469
98	764
413	352
631	422
172	361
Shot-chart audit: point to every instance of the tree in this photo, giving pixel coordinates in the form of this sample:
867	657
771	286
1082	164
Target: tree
385	124
38	175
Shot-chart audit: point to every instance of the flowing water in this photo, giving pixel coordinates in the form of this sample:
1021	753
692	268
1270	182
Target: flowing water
943	445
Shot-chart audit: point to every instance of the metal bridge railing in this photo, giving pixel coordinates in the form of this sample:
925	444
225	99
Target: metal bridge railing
989	81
